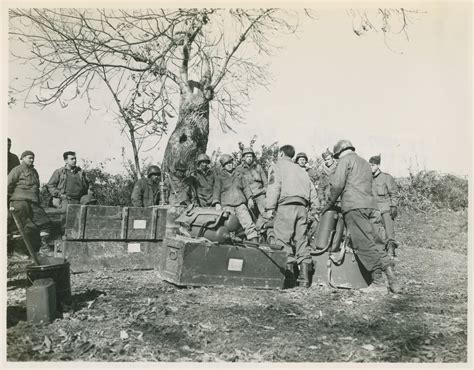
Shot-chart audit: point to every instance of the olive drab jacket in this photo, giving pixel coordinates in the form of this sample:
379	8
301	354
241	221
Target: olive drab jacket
230	189
179	190
255	177
352	180
57	183
383	189
288	183
23	184
203	183
145	193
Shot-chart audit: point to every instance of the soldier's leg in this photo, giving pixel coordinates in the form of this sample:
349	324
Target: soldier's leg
389	226
363	238
24	215
245	220
284	228
260	206
302	251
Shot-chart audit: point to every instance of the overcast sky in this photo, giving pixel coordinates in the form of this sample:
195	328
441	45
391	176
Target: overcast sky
411	101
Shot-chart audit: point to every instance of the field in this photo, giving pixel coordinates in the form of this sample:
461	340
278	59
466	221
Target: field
134	316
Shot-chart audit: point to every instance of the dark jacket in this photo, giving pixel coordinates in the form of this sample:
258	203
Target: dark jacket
255	177
145	193
383	189
179	190
353	181
23	184
57	183
203	184
288	183
13	161
230	189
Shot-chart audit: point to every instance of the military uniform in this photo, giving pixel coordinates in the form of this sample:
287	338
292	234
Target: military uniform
23	195
231	192
256	180
352	180
67	186
383	189
203	183
290	191
145	193
179	190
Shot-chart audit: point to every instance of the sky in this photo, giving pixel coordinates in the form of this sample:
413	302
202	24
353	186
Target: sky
409	101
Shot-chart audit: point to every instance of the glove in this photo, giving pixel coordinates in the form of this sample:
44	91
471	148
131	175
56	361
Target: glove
393	212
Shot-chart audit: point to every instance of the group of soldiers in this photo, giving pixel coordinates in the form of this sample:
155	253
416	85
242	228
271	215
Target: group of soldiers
286	198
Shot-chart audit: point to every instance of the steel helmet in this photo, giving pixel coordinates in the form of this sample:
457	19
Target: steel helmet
224	159
327	154
301	155
375	159
248	151
342	145
153	170
203	158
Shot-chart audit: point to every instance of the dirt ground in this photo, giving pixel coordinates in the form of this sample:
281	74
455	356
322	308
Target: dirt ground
135	316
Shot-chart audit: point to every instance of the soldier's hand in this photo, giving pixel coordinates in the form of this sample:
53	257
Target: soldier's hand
269	213
251	203
393	212
12	208
218	207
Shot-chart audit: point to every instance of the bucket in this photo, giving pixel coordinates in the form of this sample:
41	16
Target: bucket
56	269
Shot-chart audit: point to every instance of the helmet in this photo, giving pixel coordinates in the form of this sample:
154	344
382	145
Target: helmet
203	158
327	154
180	165
375	159
342	145
248	151
224	159
301	155
153	170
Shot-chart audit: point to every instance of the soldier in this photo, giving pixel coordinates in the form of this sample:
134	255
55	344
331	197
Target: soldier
23	197
231	193
203	181
69	184
329	162
256	179
290	192
178	186
383	189
13	160
353	180
146	192
302	160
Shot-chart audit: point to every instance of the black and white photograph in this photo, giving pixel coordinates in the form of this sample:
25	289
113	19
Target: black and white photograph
252	184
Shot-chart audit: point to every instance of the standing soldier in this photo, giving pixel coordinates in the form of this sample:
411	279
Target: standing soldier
256	180
290	192
13	160
146	192
203	181
178	186
69	184
384	188
23	197
231	193
353	181
302	160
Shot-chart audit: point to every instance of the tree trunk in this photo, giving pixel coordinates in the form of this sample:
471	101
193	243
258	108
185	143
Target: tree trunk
190	137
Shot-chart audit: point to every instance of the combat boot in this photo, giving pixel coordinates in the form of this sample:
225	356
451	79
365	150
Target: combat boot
305	273
290	278
393	284
377	285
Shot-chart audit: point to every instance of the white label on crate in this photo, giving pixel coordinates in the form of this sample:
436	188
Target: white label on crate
139	224
134	247
235	264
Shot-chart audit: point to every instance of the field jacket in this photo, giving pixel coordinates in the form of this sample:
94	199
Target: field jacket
352	180
230	189
179	190
288	183
383	189
145	193
255	177
23	184
57	183
203	184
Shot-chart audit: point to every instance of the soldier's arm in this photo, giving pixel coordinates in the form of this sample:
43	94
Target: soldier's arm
137	195
245	186
392	190
337	182
273	190
52	184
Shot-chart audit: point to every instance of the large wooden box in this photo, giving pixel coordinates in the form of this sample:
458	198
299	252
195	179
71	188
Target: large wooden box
92	222
191	262
111	255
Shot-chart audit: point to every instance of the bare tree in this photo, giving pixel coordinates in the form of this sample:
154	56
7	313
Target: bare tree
156	64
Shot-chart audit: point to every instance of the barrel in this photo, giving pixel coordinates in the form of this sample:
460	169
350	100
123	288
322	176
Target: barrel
56	269
326	226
